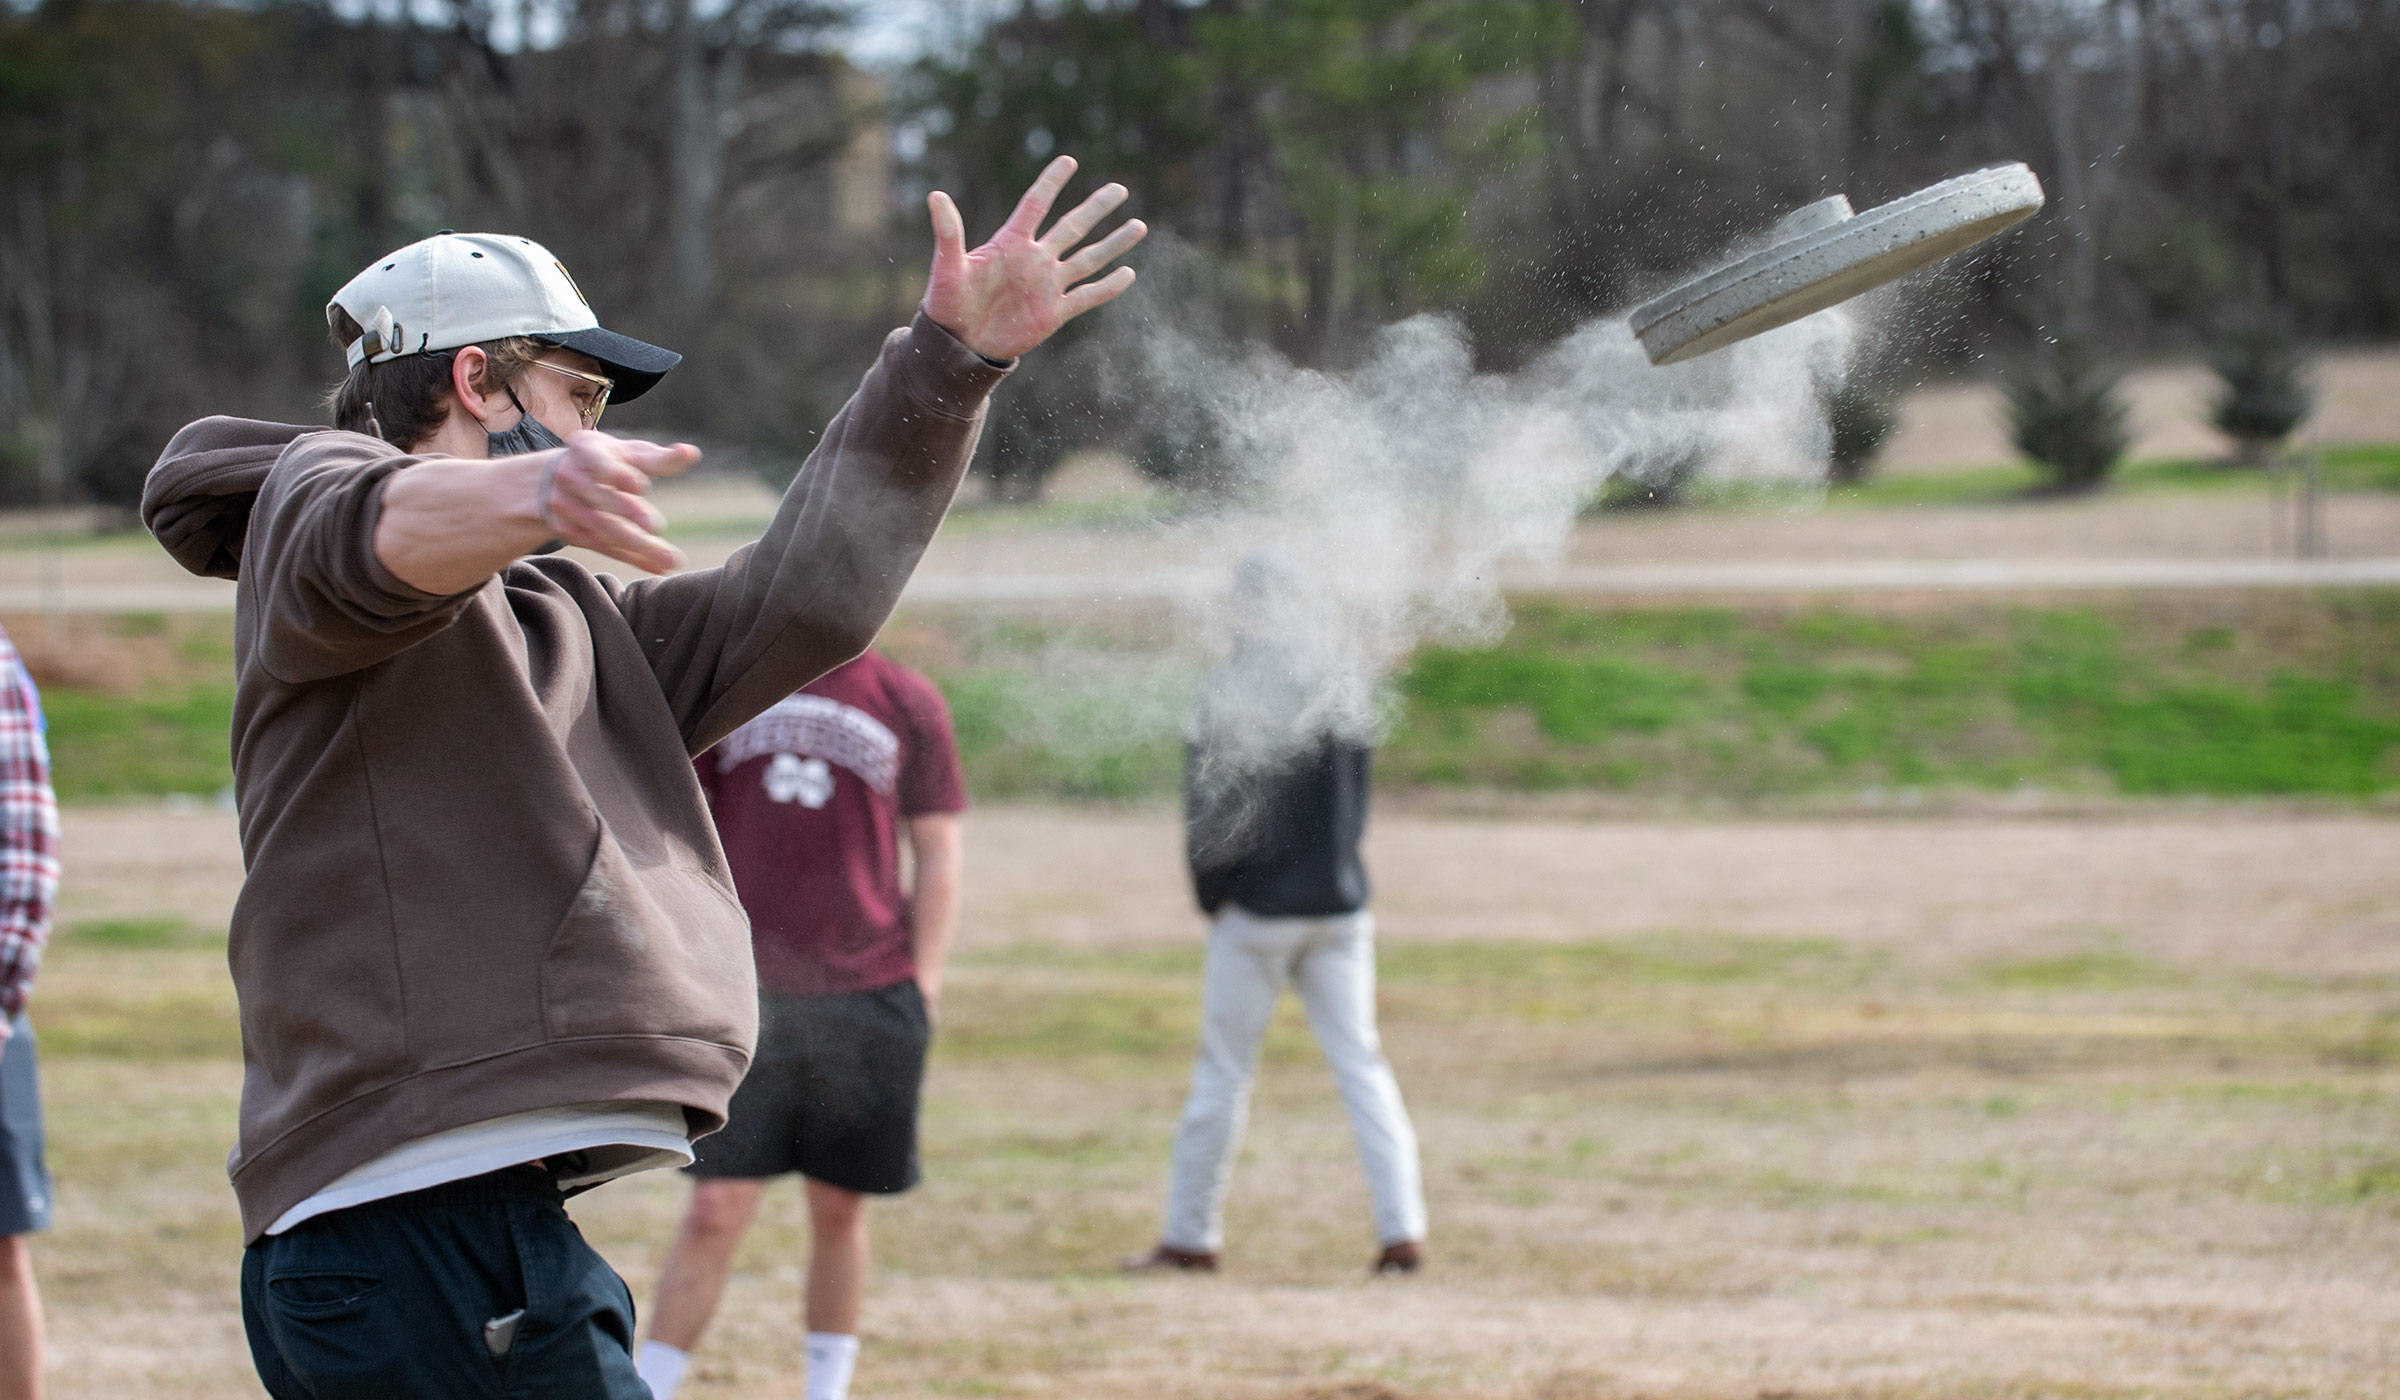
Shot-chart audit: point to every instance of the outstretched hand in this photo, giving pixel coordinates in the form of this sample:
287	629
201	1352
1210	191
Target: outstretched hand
1015	291
596	495
450	523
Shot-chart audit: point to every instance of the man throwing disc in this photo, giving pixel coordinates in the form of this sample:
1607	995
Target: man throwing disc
489	951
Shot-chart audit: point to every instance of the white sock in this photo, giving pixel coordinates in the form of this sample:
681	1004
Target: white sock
831	1359
661	1367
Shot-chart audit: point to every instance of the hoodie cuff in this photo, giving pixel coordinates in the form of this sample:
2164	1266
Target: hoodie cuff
942	374
386	594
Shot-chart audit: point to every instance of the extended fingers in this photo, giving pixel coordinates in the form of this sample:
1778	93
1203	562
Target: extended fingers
949	230
1104	252
1082	219
604	482
1092	294
1035	206
619	534
654	459
622	505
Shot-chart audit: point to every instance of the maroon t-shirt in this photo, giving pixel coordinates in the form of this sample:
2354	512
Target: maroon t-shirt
809	799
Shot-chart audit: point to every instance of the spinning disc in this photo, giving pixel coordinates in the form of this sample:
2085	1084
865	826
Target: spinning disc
1823	254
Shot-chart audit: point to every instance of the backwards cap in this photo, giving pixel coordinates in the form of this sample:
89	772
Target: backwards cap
457	289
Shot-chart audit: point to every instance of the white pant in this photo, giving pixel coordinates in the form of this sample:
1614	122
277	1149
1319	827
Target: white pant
1331	961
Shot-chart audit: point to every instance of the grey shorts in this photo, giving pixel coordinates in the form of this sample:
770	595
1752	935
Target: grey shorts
24	1176
831	1094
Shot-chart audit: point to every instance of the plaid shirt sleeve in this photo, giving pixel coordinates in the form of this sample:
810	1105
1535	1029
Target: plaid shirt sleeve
28	835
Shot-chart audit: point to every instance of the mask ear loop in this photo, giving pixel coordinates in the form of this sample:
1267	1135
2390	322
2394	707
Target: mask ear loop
544	494
374	426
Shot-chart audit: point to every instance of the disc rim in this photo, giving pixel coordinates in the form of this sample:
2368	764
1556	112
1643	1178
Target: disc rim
1729	304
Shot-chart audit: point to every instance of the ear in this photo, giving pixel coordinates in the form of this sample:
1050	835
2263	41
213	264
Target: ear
466	372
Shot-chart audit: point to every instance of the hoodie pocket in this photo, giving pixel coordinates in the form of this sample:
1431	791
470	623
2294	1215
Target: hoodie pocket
656	950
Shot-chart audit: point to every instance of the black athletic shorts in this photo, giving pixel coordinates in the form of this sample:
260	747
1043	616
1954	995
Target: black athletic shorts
24	1178
832	1093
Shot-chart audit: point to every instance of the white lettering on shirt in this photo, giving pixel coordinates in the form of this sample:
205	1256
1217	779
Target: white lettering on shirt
811	726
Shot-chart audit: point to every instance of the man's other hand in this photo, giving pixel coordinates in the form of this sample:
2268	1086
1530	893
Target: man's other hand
597	497
1015	291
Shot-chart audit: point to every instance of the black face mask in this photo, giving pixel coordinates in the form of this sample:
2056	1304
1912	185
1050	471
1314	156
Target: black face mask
527	436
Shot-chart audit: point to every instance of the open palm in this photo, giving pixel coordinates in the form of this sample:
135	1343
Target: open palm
1015	291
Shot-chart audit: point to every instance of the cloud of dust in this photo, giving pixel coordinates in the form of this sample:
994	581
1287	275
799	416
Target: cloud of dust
1384	504
1387	501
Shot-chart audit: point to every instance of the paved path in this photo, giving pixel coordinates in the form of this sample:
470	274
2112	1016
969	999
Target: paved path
1168	585
1926	575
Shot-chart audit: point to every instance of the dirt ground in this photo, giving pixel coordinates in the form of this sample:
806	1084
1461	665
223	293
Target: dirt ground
1962	1106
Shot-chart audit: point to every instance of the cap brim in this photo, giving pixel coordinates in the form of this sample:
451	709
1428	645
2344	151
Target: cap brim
636	365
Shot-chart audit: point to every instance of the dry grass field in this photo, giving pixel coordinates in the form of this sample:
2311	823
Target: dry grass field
1969	1106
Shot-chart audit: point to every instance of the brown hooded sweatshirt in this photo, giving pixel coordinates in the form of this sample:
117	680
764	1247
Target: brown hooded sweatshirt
481	876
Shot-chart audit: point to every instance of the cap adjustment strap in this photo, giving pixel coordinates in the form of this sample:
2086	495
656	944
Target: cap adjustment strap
383	337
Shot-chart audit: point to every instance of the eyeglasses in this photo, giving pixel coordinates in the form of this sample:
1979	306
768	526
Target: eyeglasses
589	408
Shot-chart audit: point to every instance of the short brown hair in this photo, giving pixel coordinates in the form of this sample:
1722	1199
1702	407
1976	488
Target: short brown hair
404	400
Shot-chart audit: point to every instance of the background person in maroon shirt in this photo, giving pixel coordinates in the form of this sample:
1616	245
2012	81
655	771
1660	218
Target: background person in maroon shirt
812	799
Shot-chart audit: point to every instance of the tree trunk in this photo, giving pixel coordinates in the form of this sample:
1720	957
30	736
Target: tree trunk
701	107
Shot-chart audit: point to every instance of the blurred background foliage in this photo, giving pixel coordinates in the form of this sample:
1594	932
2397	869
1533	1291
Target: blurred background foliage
182	184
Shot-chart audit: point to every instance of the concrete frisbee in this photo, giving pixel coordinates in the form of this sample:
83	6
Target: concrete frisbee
1823	254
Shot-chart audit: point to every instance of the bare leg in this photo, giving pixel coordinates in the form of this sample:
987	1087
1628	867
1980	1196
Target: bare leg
694	1277
20	1323
837	1258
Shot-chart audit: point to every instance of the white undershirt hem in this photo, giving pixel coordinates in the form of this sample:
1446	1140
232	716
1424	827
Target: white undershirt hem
617	1139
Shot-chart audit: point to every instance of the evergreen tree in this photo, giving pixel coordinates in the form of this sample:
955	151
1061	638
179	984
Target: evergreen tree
2263	391
1858	420
2065	414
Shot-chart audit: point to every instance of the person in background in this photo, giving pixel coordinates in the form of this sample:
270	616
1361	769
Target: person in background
1275	803
28	885
812	800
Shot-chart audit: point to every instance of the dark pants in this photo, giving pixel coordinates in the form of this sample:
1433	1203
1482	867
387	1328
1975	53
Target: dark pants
391	1300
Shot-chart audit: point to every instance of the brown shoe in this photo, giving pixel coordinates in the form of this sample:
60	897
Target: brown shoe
1404	1257
1167	1259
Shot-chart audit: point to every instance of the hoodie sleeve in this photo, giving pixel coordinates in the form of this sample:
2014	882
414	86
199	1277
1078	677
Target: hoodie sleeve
811	593
197	499
322	603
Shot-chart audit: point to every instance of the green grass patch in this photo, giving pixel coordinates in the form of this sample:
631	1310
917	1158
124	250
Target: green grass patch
104	745
2363	468
2239	694
2368	468
184	1025
1571	969
168	932
1126	1008
161	994
1019	737
2287	696
2094	970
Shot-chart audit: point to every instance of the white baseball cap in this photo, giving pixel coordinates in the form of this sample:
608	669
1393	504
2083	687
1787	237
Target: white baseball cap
457	289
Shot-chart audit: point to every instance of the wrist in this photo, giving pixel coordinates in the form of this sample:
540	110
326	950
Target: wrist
528	492
944	324
545	491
